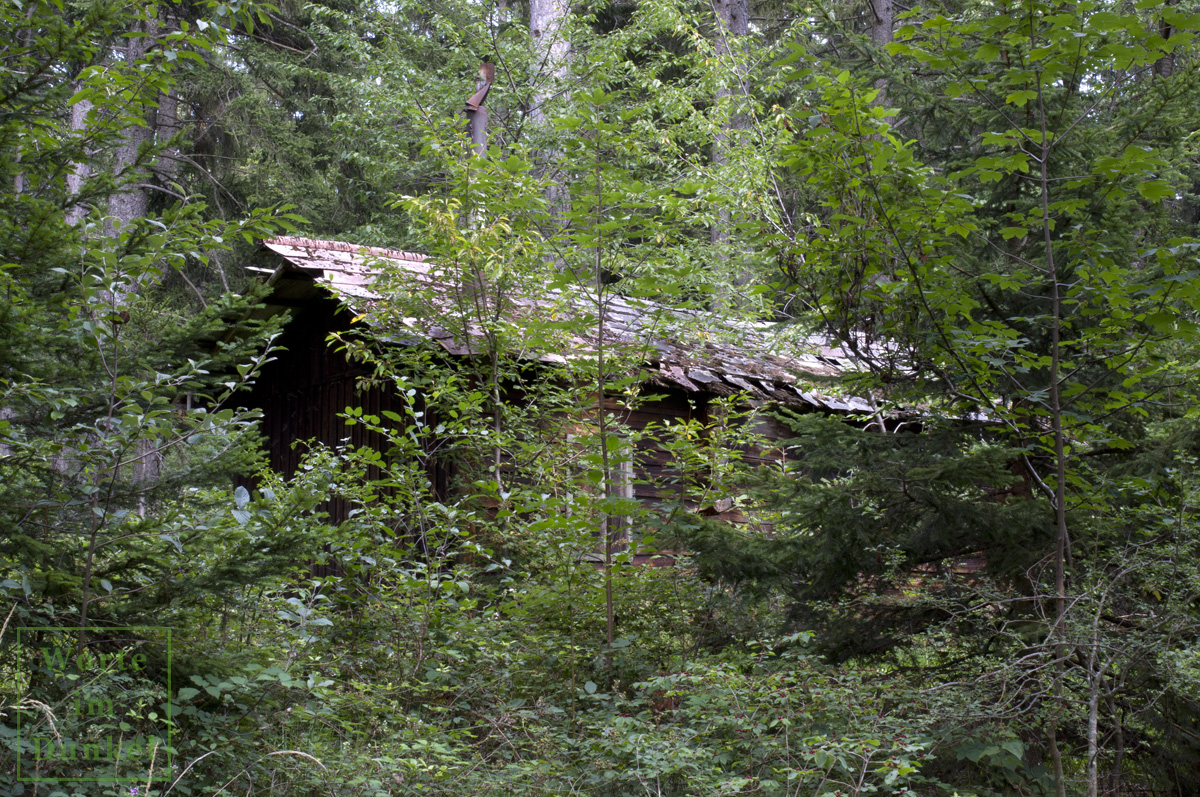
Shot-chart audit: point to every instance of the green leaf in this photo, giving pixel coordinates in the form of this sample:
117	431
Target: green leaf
1106	21
987	52
1155	190
1019	98
1015	747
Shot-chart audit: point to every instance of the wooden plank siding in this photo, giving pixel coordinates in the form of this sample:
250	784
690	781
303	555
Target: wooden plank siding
655	481
304	391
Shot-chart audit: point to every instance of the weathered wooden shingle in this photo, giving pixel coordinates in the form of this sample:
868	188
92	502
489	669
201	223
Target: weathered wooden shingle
680	348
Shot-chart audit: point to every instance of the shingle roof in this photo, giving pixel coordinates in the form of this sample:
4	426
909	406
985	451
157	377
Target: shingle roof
679	348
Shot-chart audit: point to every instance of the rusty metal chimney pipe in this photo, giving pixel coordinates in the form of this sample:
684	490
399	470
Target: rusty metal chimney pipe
477	115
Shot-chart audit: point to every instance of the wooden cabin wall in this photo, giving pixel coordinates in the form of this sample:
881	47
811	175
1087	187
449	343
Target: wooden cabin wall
656	481
304	390
659	485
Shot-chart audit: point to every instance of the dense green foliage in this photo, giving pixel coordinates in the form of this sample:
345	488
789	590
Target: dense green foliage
988	586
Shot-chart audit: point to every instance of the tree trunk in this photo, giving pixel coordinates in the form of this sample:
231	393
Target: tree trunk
551	51
1165	66
133	200
1092	769
733	25
81	169
1114	783
733	17
881	20
166	127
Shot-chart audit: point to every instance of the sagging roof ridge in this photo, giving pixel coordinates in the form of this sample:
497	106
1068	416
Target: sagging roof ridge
342	246
712	367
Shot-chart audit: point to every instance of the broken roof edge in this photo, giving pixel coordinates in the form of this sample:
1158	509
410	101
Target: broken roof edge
718	368
283	241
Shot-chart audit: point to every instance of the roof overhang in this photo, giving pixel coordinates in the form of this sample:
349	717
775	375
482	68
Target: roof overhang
678	348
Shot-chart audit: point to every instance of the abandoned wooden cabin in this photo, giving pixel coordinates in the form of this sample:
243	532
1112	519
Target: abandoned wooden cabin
331	287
